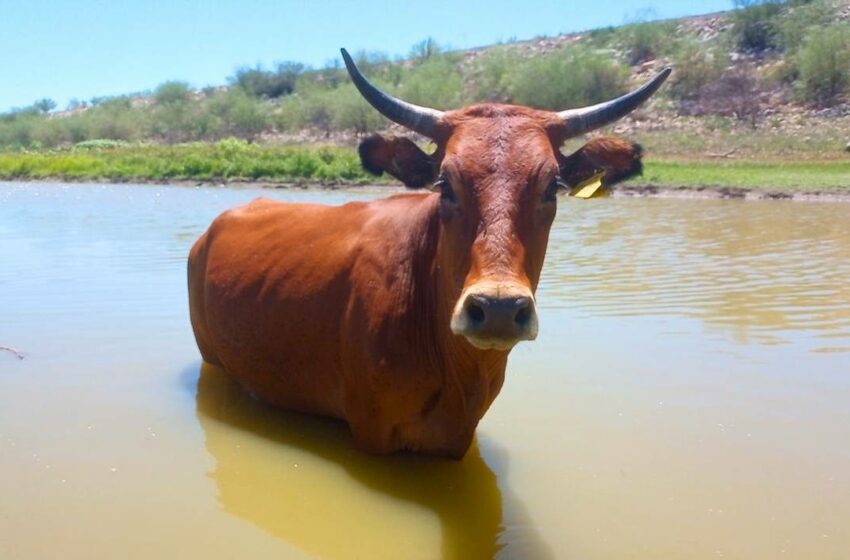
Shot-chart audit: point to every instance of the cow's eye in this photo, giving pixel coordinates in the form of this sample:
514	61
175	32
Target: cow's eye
447	194
552	189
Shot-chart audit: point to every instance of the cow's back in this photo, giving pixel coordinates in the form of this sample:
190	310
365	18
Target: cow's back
273	288
268	289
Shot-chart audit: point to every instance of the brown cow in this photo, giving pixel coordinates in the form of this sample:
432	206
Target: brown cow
398	315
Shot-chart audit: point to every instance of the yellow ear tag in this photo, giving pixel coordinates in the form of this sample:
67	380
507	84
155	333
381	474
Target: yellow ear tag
590	188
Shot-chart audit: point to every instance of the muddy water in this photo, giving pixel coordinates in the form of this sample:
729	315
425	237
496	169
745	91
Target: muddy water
688	397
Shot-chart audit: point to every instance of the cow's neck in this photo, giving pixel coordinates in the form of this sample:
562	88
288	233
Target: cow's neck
472	377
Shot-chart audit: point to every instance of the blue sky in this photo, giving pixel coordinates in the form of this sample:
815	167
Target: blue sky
88	48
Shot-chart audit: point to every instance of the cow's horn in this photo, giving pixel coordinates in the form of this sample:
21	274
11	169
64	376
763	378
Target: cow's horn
585	119
419	119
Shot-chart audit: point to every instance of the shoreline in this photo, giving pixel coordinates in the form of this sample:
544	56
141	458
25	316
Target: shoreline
638	190
838	194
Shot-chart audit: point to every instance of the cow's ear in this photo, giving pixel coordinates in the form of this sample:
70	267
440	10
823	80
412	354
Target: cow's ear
399	157
617	157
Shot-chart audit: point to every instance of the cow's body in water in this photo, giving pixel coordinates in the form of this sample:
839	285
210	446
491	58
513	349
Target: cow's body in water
398	315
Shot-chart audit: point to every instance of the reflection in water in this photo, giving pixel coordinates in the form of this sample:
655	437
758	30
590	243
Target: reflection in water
292	474
757	272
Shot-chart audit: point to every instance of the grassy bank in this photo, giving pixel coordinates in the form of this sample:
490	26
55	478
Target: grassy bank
235	160
227	160
787	176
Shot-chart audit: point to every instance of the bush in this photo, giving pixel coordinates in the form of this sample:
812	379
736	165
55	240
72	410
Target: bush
489	77
272	84
76	129
44	105
306	109
696	67
342	108
349	111
425	49
602	36
236	113
570	77
823	64
48	133
646	41
803	19
172	92
755	27
17	132
231	146
173	122
114	119
737	93
98	144
434	83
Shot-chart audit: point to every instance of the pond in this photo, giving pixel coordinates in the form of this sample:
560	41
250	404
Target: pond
688	397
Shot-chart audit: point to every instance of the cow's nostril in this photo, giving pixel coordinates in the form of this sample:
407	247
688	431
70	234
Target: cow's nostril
475	312
523	316
496	322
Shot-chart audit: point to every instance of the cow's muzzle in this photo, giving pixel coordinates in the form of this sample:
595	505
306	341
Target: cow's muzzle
495	316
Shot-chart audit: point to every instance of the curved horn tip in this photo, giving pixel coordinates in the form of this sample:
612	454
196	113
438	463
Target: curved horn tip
586	119
423	120
344	53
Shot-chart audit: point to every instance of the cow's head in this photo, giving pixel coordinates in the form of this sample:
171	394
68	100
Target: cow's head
497	169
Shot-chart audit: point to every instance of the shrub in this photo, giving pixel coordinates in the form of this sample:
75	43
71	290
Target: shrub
172	122
17	132
755	26
231	146
647	40
823	64
306	109
803	18
696	67
330	76
349	111
76	129
172	92
434	83
236	113
601	36
737	93
44	105
116	120
489	77
98	144
569	77
48	133
425	49
262	83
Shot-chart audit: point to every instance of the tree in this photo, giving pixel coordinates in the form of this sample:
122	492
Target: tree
169	93
272	84
44	105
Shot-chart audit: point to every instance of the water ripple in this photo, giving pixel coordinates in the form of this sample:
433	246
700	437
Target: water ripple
764	269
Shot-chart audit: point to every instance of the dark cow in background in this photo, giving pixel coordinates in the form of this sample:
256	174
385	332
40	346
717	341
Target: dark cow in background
398	315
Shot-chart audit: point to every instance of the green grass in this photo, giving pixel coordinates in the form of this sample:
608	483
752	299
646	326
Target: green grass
702	138
236	160
783	176
228	160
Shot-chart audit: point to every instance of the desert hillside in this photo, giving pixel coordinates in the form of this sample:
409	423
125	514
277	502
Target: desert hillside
769	80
